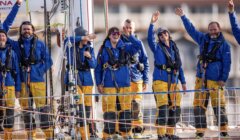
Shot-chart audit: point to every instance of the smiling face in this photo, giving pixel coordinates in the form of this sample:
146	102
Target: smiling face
114	36
214	30
26	31
3	40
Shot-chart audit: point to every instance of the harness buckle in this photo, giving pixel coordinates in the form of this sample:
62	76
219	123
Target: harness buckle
105	65
168	69
164	67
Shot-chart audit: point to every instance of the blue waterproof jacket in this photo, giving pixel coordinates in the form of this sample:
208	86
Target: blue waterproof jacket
41	54
160	59
121	76
10	18
84	76
235	26
141	57
218	70
13	76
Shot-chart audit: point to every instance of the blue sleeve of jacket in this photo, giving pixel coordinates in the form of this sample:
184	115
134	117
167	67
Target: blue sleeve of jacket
195	34
235	26
72	39
145	62
99	70
226	62
45	56
92	61
17	70
151	38
10	18
181	76
135	45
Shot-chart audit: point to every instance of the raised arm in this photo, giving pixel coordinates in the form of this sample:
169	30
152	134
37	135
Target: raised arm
11	16
192	31
91	60
135	45
151	39
233	21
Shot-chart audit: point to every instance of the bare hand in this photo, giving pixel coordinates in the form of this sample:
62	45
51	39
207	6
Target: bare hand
17	94
155	16
92	36
184	88
19	2
179	12
87	54
144	87
221	83
230	6
100	88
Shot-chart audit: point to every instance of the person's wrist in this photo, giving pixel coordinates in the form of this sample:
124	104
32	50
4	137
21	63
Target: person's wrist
231	10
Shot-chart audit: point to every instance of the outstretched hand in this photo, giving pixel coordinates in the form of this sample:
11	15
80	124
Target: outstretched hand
155	16
89	37
230	6
179	12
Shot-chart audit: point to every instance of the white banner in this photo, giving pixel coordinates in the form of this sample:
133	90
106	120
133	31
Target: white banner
6	5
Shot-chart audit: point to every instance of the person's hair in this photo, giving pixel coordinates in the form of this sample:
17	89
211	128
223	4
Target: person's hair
110	31
26	23
159	40
129	21
214	22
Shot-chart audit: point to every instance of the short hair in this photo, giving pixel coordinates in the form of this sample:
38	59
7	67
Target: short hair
129	21
214	22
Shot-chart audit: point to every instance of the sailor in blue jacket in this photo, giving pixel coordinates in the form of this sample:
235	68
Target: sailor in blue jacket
139	78
113	77
233	20
167	71
85	61
212	72
34	62
10	82
11	16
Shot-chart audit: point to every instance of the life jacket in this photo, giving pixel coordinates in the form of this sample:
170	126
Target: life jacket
171	64
208	57
8	61
31	59
82	65
7	67
123	60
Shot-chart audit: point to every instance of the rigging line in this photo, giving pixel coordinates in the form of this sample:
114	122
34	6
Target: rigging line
106	15
81	13
88	20
45	42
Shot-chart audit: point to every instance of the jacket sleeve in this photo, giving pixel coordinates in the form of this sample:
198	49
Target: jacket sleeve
235	26
92	61
145	62
195	34
72	39
226	62
181	76
10	18
134	46
151	39
17	73
45	56
99	70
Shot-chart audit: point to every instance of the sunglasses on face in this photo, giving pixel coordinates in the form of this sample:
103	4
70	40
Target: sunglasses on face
164	32
115	33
